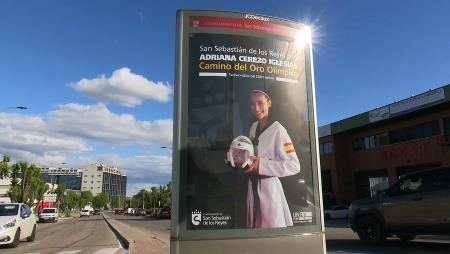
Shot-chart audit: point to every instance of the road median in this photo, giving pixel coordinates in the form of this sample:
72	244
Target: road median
135	240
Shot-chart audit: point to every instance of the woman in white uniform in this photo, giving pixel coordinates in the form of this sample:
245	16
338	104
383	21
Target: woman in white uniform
275	157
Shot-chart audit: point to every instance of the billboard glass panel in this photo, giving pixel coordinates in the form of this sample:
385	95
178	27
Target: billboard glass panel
245	136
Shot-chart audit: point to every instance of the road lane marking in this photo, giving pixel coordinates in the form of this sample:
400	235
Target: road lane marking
69	252
107	251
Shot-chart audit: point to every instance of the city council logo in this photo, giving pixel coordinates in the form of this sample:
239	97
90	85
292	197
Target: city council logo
196	217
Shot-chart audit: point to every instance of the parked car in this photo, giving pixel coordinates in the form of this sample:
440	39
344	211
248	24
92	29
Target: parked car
165	213
336	212
118	211
139	212
161	213
48	214
85	213
97	211
155	212
418	203
17	222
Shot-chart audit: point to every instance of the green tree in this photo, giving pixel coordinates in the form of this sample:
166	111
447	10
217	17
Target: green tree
59	191
41	189
117	202
73	200
27	188
101	200
86	196
4	166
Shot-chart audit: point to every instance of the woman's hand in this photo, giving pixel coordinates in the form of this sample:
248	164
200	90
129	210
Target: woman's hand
225	159
254	168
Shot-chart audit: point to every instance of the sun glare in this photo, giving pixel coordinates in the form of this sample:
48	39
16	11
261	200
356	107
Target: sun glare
303	37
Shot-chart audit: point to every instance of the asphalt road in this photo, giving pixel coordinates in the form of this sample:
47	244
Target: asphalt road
339	238
79	235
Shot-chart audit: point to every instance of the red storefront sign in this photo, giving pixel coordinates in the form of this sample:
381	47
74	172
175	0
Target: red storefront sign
404	153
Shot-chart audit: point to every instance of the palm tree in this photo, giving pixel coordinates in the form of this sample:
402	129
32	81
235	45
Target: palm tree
4	166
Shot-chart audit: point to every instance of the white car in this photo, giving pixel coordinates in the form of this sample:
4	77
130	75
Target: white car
48	214
17	222
336	212
85	213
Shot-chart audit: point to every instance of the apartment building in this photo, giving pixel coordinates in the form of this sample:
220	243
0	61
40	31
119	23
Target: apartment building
99	178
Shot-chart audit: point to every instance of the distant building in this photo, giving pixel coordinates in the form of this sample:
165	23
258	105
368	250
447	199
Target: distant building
366	153
4	188
99	178
69	177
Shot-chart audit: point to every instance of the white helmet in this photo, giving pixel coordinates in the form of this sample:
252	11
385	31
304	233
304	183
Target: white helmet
241	149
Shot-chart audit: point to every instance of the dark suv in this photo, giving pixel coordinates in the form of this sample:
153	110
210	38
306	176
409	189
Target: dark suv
417	204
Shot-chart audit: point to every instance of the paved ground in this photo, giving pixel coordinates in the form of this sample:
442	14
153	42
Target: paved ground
80	235
340	238
156	228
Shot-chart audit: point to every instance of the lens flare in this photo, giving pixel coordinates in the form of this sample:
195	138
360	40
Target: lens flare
303	37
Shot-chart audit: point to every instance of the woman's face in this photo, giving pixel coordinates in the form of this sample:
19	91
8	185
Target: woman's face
259	105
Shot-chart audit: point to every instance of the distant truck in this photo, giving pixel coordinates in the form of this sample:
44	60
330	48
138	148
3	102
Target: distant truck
89	208
130	211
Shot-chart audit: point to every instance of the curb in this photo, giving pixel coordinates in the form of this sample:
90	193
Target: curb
134	240
126	243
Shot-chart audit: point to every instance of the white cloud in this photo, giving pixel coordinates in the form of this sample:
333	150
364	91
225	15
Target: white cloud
30	136
124	88
96	122
70	132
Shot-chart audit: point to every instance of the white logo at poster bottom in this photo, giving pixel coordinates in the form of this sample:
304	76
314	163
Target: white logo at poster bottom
196	217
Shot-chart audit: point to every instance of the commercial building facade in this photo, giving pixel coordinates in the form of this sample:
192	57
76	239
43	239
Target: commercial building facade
69	177
99	178
366	153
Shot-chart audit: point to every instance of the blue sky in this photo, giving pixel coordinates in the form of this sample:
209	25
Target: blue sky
366	54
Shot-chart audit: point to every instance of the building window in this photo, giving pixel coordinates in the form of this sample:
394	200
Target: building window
358	144
327	185
447	128
369	183
325	148
382	139
396	136
415	132
369	143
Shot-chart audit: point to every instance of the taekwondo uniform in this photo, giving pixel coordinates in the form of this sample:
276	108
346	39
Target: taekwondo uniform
277	158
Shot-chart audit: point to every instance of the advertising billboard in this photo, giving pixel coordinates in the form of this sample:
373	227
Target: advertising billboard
245	138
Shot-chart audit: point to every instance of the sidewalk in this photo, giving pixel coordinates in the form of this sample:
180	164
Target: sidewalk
138	242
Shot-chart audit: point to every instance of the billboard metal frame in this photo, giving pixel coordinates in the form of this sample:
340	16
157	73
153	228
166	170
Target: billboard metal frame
179	214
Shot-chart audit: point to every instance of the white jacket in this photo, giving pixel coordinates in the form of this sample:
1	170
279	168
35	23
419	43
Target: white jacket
277	158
